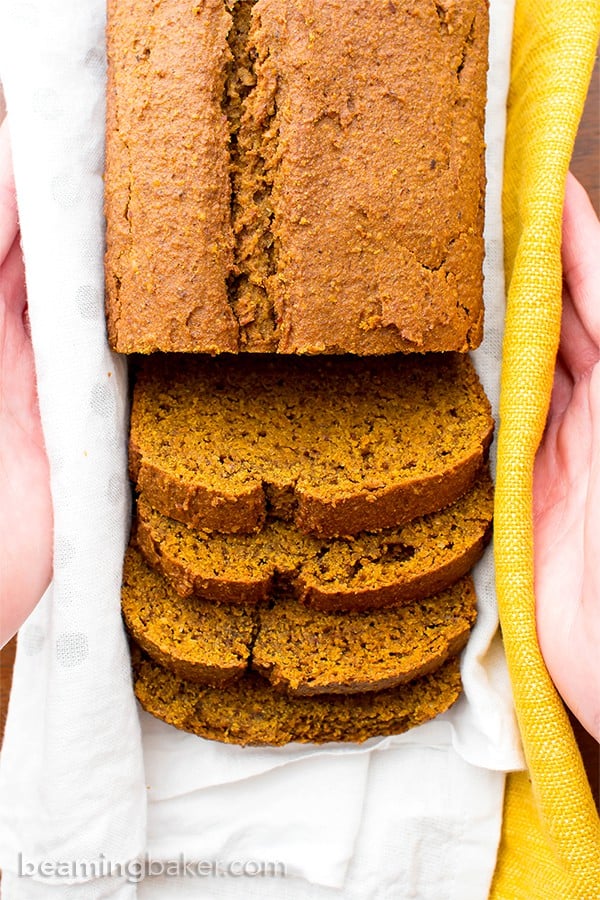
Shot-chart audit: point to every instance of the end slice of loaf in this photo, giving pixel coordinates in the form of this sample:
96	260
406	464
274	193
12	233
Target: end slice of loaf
336	445
167	181
250	711
368	571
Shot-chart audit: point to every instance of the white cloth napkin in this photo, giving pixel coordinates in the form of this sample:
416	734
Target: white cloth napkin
80	783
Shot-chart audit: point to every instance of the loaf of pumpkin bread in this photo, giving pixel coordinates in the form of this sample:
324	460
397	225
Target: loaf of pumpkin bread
299	176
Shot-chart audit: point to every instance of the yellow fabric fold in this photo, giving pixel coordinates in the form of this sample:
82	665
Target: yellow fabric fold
550	843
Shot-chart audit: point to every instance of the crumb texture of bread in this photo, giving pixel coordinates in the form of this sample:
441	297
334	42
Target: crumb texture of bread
302	651
336	445
295	176
370	570
201	641
308	652
299	650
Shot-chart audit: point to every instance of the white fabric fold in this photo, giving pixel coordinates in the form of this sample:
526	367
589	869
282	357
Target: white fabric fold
78	777
259	819
71	773
428	829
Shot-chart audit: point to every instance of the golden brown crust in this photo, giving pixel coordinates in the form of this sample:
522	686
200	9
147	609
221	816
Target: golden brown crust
379	508
250	712
167	195
369	571
378	186
241	511
339	445
280	178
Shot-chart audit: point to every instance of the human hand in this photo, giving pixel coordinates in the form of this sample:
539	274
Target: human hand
25	503
566	495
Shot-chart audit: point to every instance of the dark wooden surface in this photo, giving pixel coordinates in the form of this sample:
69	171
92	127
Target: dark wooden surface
586	158
7	655
586	166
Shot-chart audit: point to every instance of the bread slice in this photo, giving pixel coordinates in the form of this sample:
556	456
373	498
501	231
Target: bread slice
200	641
336	445
305	651
370	570
250	711
309	652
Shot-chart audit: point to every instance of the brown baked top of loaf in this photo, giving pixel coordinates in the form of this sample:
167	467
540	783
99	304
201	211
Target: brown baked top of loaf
295	176
338	445
250	711
368	571
167	190
303	650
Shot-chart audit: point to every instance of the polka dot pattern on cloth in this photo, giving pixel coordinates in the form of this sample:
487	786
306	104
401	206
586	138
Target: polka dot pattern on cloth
89	301
46	104
102	400
73	767
95	61
72	648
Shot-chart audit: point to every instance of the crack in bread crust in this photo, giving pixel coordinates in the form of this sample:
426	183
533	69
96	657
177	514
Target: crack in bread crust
389	568
251	107
316	192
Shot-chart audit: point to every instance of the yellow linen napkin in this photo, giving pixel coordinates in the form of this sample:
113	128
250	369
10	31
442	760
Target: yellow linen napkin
551	832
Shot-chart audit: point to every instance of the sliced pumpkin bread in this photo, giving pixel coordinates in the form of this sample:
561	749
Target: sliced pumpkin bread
304	651
336	445
201	641
309	652
370	570
250	711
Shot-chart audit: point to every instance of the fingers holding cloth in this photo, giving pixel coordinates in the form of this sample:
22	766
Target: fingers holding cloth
71	773
26	520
